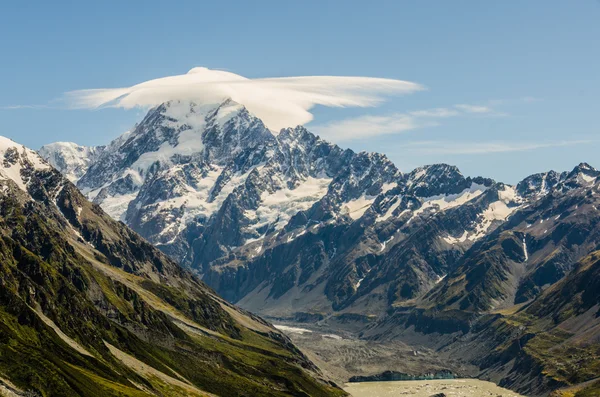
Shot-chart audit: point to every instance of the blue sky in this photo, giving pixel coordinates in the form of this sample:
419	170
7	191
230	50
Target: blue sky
533	65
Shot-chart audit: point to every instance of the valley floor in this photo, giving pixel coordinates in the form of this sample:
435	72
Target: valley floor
428	388
341	354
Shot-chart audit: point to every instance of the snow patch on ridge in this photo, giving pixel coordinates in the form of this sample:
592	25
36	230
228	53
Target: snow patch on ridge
388	214
357	207
454	240
277	208
116	206
443	202
496	211
71	159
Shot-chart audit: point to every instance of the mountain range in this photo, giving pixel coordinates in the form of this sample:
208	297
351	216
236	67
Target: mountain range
290	226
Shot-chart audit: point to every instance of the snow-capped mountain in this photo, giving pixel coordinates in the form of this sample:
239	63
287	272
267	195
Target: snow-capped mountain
272	218
71	159
186	170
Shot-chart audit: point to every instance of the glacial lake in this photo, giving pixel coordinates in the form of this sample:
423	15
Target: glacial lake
427	388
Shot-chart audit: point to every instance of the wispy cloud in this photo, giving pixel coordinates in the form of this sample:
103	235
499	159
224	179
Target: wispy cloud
434	113
363	126
279	102
366	126
473	108
16	107
462	148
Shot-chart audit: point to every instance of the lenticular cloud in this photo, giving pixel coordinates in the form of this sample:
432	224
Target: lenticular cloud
279	102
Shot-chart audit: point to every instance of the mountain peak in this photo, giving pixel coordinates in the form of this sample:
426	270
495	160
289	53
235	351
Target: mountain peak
190	112
295	134
17	162
582	175
542	183
584	168
230	110
435	179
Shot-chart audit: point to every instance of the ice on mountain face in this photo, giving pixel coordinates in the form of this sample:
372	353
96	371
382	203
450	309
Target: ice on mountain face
293	235
385	243
227	111
196	198
71	159
508	194
390	211
585	179
443	202
386	187
116	206
454	240
190	121
359	282
16	158
538	185
496	211
277	208
191	200
356	208
525	250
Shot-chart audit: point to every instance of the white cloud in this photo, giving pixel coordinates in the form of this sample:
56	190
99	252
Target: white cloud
363	126
437	112
366	126
473	108
461	148
15	107
279	102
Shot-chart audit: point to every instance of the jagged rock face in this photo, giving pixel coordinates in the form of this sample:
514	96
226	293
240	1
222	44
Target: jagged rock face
538	185
87	307
398	245
534	249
